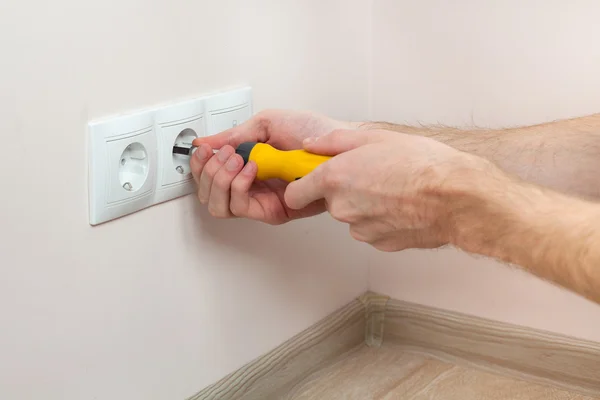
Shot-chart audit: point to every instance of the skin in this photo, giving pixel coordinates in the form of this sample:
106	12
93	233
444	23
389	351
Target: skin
229	190
525	196
561	155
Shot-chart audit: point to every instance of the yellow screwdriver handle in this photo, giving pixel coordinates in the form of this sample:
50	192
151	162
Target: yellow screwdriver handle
288	165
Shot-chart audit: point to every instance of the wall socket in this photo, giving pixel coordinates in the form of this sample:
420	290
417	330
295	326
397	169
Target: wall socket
131	161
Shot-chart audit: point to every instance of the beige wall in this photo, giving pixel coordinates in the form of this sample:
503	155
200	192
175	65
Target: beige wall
151	306
486	63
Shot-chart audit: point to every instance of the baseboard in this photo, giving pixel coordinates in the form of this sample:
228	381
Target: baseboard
538	356
275	373
493	346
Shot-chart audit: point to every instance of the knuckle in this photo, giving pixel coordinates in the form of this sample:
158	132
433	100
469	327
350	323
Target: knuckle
220	182
338	216
236	209
362	235
212	211
340	213
208	173
263	119
331	178
357	235
387	246
272	221
237	186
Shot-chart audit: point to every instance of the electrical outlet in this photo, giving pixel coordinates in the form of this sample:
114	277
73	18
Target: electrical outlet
123	166
131	161
177	124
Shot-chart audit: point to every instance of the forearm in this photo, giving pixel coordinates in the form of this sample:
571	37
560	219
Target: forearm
550	235
563	155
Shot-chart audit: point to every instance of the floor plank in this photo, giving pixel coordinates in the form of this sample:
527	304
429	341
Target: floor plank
390	372
543	357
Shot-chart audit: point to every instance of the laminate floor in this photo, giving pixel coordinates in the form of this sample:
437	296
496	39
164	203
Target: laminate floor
391	372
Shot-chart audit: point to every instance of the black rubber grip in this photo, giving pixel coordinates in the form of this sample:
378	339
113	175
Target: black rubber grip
244	150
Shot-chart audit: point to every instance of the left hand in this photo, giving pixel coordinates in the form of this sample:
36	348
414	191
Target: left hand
396	191
232	191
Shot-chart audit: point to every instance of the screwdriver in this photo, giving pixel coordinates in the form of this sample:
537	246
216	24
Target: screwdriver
288	165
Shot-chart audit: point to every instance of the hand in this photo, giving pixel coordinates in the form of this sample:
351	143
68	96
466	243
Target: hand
231	191
396	191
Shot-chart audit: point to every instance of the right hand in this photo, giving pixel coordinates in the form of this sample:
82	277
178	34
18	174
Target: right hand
394	190
230	190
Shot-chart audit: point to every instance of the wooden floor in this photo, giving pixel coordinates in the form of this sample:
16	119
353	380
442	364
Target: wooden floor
391	372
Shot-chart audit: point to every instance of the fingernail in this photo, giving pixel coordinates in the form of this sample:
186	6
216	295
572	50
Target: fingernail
200	153
232	163
222	155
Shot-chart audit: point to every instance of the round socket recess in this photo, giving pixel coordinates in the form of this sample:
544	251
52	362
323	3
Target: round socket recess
133	167
181	163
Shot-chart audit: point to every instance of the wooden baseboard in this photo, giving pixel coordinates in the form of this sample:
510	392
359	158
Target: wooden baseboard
275	373
534	355
493	346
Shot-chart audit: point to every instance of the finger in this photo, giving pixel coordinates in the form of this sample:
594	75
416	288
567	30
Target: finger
240	187
199	159
302	192
218	202
210	169
253	130
341	140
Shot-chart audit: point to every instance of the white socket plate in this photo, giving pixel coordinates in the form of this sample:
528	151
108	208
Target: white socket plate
131	162
227	110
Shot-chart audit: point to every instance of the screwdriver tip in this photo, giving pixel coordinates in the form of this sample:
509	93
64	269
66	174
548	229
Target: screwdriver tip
183	150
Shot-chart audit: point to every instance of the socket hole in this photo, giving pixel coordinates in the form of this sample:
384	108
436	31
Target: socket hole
181	163
133	170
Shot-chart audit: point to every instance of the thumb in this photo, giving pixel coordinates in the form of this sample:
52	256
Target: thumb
302	192
340	141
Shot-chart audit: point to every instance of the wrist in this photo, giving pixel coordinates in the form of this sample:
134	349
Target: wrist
474	194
